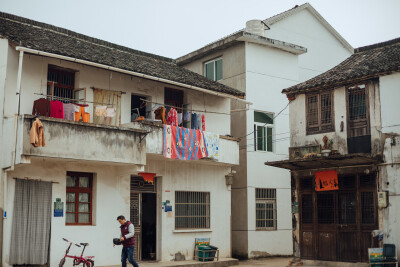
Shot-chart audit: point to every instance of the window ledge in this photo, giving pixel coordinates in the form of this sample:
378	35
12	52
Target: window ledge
192	231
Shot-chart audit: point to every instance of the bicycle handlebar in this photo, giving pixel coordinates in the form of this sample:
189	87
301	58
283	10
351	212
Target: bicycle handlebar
66	240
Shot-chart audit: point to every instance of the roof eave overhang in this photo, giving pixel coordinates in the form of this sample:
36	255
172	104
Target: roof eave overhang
287	47
332	162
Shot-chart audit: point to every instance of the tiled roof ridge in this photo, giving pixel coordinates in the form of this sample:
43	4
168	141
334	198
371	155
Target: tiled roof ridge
377	45
80	36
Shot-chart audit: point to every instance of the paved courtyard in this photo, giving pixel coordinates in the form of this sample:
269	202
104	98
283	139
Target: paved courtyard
267	262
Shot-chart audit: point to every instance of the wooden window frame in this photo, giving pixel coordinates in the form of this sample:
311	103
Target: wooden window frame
215	69
350	123
322	128
76	189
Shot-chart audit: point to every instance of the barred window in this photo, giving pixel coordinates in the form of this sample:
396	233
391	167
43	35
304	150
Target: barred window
266	209
79	198
319	113
192	210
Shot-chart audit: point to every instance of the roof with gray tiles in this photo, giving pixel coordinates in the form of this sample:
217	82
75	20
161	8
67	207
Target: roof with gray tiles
48	38
366	63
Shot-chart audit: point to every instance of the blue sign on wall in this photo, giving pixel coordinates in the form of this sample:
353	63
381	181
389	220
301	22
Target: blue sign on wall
58	208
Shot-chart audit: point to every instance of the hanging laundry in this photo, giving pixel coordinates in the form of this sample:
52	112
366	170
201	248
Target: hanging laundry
160	114
100	111
148	177
203	122
172	118
57	109
110	112
82	111
186	116
69	111
180	117
41	107
183	143
211	141
199	123
194	121
36	135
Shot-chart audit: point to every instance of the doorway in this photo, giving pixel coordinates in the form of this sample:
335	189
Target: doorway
143	216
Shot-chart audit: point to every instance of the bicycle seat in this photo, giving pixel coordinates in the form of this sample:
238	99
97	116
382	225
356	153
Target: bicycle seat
84	244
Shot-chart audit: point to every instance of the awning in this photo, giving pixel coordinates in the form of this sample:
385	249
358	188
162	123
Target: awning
335	161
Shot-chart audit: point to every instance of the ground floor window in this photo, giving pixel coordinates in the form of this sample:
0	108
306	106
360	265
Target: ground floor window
192	210
266	209
79	198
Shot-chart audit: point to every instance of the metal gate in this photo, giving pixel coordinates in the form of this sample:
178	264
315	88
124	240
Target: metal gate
138	186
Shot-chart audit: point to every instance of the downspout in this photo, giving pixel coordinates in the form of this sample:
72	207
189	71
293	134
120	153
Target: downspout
14	152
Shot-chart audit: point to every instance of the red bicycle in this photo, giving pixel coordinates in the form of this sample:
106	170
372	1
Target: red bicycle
86	261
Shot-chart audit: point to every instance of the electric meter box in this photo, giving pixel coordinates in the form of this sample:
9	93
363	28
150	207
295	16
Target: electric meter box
382	199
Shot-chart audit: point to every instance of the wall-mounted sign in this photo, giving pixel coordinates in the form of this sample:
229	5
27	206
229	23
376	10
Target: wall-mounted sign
58	208
326	180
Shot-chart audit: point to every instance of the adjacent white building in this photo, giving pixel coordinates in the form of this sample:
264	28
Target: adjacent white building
92	170
261	60
353	107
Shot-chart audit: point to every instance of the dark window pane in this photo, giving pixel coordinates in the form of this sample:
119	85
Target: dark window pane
312	112
347	208
367	208
307	209
326	109
261	138
325	208
269	139
218	69
210	70
357	103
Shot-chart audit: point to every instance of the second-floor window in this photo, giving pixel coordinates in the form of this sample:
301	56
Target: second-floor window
319	109
357	111
263	131
213	69
63	80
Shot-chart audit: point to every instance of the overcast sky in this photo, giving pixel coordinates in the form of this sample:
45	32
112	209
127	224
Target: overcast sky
173	28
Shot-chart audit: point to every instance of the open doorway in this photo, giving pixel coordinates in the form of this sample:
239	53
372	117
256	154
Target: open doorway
148	226
143	215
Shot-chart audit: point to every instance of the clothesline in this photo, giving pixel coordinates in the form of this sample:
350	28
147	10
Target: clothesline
180	108
73	100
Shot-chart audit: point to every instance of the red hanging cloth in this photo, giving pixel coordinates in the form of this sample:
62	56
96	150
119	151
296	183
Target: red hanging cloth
148	176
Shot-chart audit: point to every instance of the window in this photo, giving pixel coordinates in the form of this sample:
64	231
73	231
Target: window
263	131
192	210
79	198
266	209
357	111
319	113
213	69
60	83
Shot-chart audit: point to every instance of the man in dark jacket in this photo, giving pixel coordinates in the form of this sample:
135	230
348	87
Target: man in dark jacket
128	241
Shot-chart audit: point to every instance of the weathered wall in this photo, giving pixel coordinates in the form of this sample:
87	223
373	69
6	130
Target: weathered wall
324	50
390	171
198	177
110	199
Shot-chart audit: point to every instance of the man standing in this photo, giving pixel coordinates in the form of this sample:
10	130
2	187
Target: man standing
128	241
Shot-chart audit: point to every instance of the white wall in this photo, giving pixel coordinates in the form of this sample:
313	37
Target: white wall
111	198
389	94
198	177
324	51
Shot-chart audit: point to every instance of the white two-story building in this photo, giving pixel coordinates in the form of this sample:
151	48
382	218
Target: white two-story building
344	157
101	163
261	60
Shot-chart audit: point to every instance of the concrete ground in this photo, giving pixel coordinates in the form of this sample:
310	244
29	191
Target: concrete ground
267	262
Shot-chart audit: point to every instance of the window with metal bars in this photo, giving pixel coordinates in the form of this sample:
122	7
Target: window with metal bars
325	207
63	81
266	217
192	210
367	208
357	111
79	198
319	109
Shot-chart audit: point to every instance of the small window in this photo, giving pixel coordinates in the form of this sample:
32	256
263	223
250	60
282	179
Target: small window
367	208
325	208
192	210
307	208
60	83
266	218
79	198
263	131
357	111
213	69
319	113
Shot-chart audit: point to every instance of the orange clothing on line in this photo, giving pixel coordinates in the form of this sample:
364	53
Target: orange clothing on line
85	115
36	134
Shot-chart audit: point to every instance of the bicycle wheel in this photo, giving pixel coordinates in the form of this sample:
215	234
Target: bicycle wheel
91	263
62	261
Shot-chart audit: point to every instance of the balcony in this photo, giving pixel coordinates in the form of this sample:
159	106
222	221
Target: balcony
228	147
82	141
